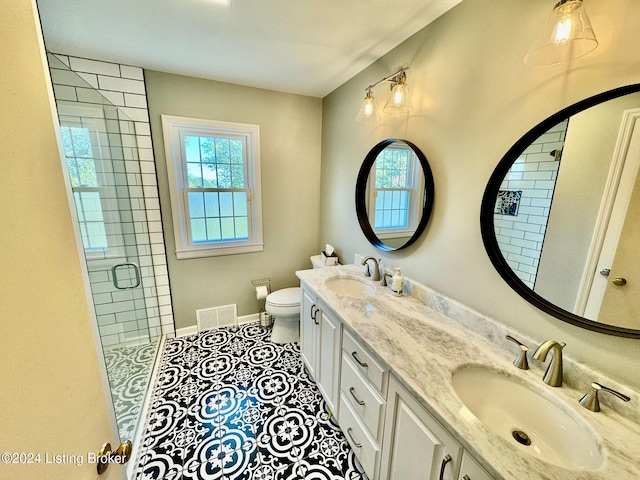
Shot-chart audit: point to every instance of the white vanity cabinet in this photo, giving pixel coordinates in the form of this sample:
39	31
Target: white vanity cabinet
470	469
309	331
391	433
363	383
320	343
416	446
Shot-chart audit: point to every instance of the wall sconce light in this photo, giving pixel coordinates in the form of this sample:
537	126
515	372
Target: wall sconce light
398	102
368	111
566	35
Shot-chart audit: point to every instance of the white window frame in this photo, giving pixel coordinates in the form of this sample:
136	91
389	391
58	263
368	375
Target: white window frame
415	189
174	129
92	117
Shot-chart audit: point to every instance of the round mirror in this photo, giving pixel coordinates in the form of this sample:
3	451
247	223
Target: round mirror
560	216
394	194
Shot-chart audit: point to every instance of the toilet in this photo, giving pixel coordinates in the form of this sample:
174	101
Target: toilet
284	305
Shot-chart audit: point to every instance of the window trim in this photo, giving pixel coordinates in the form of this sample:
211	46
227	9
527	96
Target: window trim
414	210
90	117
174	128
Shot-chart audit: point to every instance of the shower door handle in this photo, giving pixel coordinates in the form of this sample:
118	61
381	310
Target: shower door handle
114	275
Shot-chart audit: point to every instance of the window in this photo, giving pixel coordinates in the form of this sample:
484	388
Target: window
214	183
89	162
392	189
84	184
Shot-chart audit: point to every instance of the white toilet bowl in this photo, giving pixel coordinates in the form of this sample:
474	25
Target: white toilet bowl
284	305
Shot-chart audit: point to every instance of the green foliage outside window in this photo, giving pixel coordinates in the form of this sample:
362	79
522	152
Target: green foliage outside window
214	162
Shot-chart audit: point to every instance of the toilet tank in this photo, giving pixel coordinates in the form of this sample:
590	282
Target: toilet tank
317	261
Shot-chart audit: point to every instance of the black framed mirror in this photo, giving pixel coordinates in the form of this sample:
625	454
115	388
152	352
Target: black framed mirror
560	214
394	194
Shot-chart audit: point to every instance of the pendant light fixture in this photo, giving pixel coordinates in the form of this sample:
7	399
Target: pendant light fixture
398	102
566	35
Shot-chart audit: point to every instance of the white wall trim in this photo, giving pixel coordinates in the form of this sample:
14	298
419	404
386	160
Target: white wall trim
186	331
606	214
174	129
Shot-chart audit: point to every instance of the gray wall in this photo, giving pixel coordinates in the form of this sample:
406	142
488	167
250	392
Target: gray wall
473	98
290	127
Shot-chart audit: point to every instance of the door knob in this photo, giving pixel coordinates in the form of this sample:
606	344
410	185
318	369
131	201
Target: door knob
106	455
619	281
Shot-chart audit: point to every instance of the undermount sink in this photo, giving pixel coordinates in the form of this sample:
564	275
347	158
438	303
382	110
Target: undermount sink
531	421
350	286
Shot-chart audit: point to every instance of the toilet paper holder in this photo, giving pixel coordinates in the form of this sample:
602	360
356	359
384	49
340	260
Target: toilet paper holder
262	282
265	318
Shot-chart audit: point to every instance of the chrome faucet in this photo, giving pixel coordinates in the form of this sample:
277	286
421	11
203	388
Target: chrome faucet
553	375
376	269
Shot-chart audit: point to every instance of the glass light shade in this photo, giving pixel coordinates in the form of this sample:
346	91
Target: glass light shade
399	101
368	111
566	35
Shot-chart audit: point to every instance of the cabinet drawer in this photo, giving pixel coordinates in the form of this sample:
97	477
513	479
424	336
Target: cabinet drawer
365	362
365	401
364	446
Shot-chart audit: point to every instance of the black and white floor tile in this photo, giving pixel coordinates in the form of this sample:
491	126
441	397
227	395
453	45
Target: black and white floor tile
129	370
230	405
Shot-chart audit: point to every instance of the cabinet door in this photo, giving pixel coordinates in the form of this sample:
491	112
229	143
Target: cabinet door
416	446
328	363
471	469
309	326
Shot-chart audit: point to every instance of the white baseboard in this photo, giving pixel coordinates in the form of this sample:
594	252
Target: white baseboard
193	329
254	317
186	331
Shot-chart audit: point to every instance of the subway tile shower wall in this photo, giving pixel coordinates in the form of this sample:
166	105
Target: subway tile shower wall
84	81
520	230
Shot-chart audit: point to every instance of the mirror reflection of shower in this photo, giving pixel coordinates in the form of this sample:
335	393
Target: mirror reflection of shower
105	180
524	202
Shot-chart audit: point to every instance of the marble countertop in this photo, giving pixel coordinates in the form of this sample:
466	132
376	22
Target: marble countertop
423	348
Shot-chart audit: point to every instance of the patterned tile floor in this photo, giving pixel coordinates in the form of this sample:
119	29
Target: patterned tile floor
129	370
229	404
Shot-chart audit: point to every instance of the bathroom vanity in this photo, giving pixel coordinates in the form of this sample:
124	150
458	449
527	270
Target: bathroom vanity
393	371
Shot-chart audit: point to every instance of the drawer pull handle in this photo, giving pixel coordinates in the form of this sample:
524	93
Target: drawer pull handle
314	313
362	364
351	391
358	445
466	477
447	458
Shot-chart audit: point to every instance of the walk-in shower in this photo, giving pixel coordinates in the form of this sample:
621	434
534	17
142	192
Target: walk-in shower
106	179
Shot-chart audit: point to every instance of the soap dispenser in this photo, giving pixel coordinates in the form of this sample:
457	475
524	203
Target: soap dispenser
397	282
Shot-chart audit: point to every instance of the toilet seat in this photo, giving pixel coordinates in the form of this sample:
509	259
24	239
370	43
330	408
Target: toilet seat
284	303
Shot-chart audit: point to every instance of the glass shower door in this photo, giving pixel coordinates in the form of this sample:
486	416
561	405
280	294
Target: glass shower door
107	191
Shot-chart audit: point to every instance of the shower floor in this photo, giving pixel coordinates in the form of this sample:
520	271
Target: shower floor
129	370
231	405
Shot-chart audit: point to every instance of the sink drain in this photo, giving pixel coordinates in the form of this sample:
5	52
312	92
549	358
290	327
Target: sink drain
521	437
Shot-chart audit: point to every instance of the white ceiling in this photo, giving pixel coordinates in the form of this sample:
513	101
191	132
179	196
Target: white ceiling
298	46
